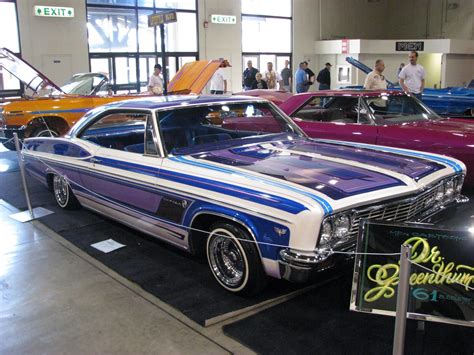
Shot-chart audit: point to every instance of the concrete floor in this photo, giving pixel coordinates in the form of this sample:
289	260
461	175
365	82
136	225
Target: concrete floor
54	298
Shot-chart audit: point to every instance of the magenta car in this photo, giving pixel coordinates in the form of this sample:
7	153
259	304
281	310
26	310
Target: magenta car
388	118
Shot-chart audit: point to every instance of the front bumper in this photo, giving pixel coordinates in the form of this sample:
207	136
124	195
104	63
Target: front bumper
6	132
297	266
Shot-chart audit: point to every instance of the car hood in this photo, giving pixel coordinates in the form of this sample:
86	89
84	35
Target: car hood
331	168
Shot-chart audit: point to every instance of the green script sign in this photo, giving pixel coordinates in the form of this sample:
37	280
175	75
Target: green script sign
441	279
54	11
224	19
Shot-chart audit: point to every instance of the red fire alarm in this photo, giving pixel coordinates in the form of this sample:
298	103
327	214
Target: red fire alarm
206	24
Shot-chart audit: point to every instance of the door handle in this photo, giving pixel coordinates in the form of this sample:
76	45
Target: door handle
95	160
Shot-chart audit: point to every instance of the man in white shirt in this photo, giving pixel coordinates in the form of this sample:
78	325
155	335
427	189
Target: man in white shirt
155	84
375	80
218	82
412	76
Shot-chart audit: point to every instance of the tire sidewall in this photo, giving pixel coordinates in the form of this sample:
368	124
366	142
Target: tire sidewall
224	229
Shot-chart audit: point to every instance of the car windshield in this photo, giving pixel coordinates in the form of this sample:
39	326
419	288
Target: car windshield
84	84
395	109
192	129
385	109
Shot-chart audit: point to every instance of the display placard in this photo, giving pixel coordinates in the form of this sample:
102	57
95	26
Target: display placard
161	18
441	277
405	46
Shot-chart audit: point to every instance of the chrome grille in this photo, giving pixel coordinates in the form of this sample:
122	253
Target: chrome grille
401	211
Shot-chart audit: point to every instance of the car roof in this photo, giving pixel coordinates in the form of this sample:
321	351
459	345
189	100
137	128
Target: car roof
352	92
158	102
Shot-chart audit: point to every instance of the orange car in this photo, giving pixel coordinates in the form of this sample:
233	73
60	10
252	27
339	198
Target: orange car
55	113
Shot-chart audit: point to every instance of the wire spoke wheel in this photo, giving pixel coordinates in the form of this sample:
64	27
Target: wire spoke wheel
61	190
226	259
234	259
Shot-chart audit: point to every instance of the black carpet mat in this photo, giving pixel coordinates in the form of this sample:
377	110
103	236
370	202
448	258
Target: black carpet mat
319	322
174	276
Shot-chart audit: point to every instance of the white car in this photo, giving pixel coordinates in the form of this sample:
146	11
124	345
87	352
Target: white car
264	200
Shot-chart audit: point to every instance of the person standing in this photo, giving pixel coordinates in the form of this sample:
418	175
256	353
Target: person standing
375	80
324	77
218	82
301	79
412	76
248	77
286	76
310	74
259	83
155	84
271	77
400	68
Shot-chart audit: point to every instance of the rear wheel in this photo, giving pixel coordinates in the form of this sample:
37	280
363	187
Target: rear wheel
63	193
234	259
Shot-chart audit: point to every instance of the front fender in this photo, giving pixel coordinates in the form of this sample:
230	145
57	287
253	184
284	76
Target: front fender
270	236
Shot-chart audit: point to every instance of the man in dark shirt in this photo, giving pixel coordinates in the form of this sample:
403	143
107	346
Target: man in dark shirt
249	76
286	76
310	74
324	77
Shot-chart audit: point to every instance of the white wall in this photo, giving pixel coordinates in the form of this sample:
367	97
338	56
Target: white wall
402	19
56	46
305	32
222	41
459	69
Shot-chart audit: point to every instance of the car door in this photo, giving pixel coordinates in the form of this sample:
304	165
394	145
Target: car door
120	170
123	176
338	117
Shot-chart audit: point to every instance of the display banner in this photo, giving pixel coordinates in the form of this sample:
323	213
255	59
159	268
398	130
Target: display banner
409	46
441	277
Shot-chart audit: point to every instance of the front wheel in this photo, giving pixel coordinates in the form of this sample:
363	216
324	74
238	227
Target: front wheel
234	259
45	132
63	194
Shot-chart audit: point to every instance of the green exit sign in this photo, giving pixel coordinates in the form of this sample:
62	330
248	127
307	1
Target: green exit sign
224	19
54	11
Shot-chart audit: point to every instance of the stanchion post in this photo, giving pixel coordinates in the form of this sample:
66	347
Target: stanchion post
22	172
402	301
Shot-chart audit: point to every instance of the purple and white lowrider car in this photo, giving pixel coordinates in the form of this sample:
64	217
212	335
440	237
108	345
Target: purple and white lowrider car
262	201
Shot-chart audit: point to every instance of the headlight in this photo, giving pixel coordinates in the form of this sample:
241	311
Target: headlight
342	226
458	182
335	227
449	189
326	232
439	193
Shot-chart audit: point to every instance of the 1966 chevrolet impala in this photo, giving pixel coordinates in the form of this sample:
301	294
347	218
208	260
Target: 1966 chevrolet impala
262	201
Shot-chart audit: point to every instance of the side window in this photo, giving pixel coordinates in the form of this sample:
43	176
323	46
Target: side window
121	131
336	109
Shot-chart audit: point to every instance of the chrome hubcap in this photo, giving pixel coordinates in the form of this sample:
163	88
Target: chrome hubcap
47	133
60	190
226	260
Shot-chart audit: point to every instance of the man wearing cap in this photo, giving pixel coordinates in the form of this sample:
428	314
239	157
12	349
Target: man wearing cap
324	77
